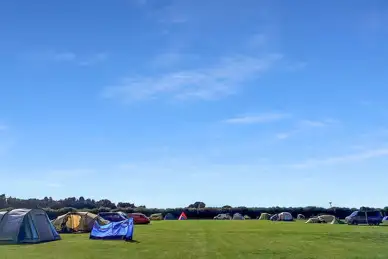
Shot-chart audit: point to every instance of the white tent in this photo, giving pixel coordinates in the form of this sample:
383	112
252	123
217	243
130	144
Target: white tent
285	216
238	216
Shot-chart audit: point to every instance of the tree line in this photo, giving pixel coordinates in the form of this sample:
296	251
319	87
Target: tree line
197	210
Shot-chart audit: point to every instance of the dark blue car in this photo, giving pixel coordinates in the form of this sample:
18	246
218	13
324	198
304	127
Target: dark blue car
362	217
113	216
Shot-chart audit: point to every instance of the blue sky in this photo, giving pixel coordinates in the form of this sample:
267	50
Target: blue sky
166	102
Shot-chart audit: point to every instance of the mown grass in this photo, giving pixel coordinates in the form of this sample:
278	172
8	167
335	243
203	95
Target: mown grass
219	239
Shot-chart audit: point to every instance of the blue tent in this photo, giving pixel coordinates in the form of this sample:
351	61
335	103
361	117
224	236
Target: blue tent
169	216
385	218
26	226
113	230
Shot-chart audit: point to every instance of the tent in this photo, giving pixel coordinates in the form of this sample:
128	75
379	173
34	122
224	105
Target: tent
169	216
265	216
238	216
337	221
113	230
313	220
26	226
2	213
300	216
326	218
182	216
274	217
285	216
384	219
77	222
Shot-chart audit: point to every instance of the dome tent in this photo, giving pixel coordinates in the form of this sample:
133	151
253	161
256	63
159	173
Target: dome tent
285	216
274	217
26	226
169	216
238	216
300	217
265	216
326	218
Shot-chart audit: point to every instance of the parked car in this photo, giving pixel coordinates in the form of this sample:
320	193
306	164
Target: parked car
157	216
362	217
139	218
113	216
223	217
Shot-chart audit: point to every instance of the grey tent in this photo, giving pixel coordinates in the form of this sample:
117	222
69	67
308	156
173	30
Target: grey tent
26	226
238	216
2	213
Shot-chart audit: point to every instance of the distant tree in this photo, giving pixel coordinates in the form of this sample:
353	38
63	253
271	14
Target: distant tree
106	204
125	205
197	204
3	201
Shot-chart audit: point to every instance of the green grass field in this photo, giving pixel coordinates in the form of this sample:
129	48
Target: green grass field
219	239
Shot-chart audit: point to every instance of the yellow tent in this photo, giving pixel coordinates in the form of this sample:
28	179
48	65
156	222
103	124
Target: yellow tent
77	222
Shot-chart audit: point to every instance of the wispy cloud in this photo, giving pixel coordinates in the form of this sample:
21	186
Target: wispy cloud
68	57
212	82
94	59
261	118
304	125
369	154
61	56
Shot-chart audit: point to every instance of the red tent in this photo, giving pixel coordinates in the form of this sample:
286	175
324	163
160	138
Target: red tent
182	216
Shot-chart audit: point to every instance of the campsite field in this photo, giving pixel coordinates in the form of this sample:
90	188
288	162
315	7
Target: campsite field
219	239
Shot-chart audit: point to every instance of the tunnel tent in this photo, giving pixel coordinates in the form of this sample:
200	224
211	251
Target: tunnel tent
26	226
74	222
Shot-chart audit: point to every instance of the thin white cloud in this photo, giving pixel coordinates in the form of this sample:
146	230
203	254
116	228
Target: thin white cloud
94	59
67	56
316	123
284	135
63	56
304	125
212	82
369	154
261	118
